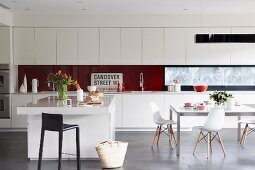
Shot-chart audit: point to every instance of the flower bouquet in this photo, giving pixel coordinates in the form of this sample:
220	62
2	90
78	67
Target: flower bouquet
219	97
61	82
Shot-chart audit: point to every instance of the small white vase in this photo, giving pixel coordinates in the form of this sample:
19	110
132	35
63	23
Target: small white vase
230	103
79	95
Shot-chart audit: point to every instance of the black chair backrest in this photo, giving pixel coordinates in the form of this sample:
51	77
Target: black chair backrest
52	122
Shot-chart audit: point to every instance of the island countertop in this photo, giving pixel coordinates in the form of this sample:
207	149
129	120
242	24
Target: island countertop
52	105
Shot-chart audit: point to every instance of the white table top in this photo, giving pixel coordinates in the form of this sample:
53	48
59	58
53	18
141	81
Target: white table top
237	111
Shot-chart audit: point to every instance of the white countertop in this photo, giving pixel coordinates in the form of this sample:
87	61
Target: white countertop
143	92
52	105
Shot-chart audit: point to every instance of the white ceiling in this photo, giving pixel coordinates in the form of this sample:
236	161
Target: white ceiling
129	6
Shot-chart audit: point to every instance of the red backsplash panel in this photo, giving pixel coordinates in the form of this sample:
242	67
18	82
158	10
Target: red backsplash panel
153	75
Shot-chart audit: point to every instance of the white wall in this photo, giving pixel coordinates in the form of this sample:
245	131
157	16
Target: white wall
5	17
135	20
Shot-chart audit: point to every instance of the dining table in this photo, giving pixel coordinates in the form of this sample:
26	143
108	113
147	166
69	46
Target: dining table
239	111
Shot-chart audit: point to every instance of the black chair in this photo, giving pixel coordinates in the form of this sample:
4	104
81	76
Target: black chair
54	122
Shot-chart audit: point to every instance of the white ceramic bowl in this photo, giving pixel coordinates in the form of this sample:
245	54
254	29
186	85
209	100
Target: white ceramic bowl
91	88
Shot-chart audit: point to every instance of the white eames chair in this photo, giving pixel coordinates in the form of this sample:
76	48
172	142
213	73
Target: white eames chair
210	130
247	130
160	125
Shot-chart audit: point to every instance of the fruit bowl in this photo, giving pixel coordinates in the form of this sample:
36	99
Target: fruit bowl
91	88
200	88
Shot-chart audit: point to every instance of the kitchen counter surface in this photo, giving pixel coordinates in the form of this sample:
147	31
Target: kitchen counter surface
52	105
142	92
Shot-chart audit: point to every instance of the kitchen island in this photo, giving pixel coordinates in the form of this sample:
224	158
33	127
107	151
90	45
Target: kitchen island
96	125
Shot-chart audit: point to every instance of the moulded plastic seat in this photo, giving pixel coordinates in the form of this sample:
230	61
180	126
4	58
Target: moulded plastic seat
160	125
165	122
212	125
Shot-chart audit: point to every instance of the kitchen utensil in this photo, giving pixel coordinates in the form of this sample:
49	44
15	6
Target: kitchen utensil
22	89
91	88
35	84
79	95
177	87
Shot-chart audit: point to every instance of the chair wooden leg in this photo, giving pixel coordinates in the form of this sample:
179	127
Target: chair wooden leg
221	144
159	132
155	135
241	140
195	147
172	132
208	143
170	136
245	135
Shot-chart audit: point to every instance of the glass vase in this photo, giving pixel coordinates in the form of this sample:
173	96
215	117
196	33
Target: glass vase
62	89
219	105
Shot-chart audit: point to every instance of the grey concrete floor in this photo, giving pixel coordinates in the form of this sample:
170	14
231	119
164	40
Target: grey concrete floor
13	154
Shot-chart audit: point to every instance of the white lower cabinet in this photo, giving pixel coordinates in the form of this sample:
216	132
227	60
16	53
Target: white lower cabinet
118	111
137	111
19	121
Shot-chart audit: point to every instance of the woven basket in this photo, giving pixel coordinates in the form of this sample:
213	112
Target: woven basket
111	153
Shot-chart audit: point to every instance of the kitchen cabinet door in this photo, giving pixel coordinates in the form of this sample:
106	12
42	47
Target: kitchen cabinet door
110	46
153	46
219	53
118	111
175	46
243	53
88	46
19	121
45	46
66	46
131	46
137	111
23	46
197	53
5	45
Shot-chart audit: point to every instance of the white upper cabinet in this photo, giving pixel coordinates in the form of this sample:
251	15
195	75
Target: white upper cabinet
219	53
175	46
67	46
23	44
131	46
243	53
153	46
5	45
88	46
110	46
45	46
197	53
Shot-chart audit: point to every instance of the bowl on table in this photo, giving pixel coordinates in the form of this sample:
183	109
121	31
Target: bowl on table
187	104
200	88
91	88
201	107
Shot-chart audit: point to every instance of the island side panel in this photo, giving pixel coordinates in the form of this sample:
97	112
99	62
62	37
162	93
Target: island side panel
93	130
